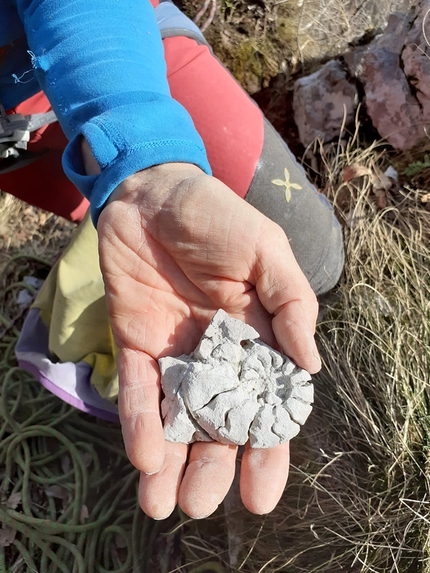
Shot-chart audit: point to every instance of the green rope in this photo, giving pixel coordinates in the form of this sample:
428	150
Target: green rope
105	537
32	456
25	554
67	488
21	285
21	257
54	534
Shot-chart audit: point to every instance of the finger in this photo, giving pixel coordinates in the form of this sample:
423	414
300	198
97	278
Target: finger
207	479
158	493
139	410
263	475
293	329
285	293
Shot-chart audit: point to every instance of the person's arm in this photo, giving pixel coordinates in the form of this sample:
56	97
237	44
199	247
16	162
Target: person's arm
101	65
191	246
175	245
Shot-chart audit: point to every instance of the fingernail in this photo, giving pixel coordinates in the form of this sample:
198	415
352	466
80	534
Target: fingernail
160	518
203	516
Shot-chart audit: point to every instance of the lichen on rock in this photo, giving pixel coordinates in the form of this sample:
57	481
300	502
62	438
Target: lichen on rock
233	388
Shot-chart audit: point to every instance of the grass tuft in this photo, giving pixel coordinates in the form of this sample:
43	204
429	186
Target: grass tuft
358	497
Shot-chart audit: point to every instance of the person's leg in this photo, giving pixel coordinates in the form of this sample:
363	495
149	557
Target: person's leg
42	183
248	155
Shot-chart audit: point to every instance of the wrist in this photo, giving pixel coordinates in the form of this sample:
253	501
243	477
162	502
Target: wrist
151	184
154	184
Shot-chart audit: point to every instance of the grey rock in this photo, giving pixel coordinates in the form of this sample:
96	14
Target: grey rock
233	388
261	432
284	425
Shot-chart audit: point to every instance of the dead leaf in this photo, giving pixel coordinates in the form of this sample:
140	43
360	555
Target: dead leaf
14	500
7	536
381	182
425	198
355	170
57	491
84	514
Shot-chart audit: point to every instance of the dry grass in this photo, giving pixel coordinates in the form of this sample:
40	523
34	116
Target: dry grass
30	241
358	495
26	230
260	39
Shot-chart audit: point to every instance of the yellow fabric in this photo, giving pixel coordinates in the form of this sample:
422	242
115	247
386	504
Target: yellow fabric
72	306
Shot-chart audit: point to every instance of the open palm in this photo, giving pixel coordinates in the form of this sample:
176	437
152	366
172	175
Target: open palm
176	245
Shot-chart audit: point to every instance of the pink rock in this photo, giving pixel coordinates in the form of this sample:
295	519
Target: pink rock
323	102
390	103
416	62
394	71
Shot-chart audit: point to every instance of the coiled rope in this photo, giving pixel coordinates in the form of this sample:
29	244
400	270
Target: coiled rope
68	495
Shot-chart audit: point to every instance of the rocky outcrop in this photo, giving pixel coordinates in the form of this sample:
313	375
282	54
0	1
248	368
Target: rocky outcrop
394	71
326	28
323	102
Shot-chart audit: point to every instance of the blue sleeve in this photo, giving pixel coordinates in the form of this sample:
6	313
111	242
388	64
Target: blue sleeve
101	64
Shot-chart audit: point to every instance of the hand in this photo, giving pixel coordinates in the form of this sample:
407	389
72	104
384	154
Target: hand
176	245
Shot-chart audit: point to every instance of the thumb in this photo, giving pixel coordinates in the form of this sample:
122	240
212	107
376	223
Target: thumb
285	293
